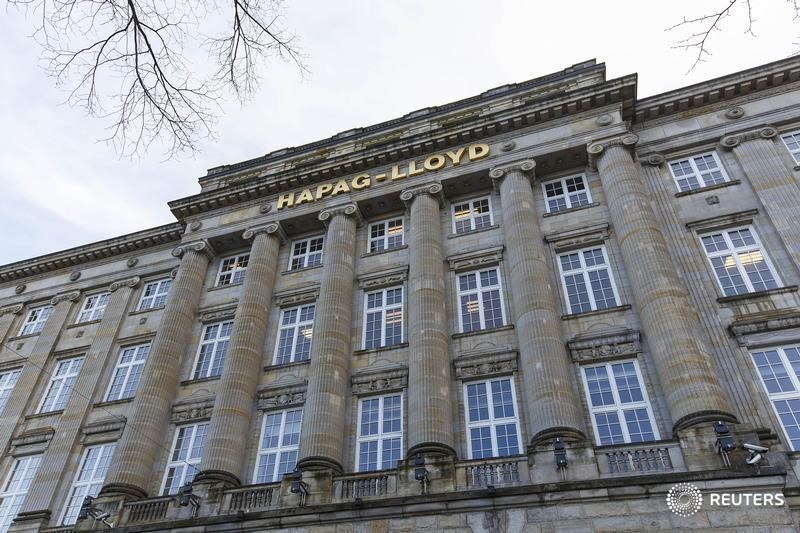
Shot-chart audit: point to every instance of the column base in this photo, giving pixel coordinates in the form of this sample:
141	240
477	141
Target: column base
430	448
213	477
320	463
123	491
703	417
566	434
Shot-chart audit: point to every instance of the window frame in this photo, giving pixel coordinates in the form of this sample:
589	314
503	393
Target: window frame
734	252
39	322
5	388
235	274
305	255
216	355
296	327
584	272
73	503
380	436
471	202
479	290
278	450
566	195
795	135
773	397
189	462
384	240
136	348
94	307
696	171
28	475
492	422
384	309
62	385
159	293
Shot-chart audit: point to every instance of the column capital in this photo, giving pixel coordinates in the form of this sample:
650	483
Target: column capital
127	282
272	228
71	296
327	215
201	246
14	309
597	148
527	167
432	189
729	142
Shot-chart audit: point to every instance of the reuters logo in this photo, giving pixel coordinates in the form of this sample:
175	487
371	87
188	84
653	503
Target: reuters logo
684	499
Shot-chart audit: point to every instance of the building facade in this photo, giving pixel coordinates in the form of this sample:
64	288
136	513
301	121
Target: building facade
535	309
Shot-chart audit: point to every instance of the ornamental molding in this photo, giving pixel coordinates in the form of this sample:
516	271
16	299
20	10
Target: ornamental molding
589	347
32	441
71	296
381	376
131	283
475	259
14	309
434	190
729	142
350	210
654	160
527	167
722	221
201	246
273	228
199	406
627	140
767	321
289	391
105	430
578	238
734	112
292	297
384	278
215	314
479	364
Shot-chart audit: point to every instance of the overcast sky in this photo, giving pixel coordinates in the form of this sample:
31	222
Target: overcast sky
370	61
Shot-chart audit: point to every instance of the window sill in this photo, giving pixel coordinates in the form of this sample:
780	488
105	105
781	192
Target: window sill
381	252
471	232
708	188
44	415
507	327
82	324
367	351
616	309
113	402
198	380
23	337
287	365
747	296
226	286
301	269
149	309
570	210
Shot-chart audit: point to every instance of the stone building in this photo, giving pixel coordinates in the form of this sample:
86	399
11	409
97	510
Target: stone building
400	327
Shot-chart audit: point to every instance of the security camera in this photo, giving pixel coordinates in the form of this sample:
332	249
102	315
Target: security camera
754	447
754	459
102	516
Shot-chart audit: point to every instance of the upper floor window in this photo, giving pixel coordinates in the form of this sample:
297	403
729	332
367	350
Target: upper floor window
587	280
35	320
93	307
383	317
61	383
480	300
7	382
380	433
792	142
212	350
306	253
277	451
779	369
618	403
127	373
739	261
566	193
385	235
89	479
294	336
232	269
492	418
184	457
154	294
16	488
472	215
697	171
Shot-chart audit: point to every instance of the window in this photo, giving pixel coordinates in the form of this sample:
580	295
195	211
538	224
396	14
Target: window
587	268
35	320
492	421
93	307
232	269
618	403
7	382
154	294
739	262
16	488
779	369
306	253
294	336
383	317
380	433
280	438
481	300
61	383
697	171
212	350
566	193
184	458
89	480
127	373
472	215
386	235
792	142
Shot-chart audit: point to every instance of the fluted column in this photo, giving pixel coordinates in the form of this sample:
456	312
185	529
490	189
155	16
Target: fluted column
548	382
223	455
669	323
51	480
21	402
772	182
322	444
430	404
140	444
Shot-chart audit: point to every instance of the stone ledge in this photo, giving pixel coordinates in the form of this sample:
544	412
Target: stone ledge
23	337
82	324
714	187
507	327
34	416
617	309
148	310
109	403
267	368
758	294
199	380
570	210
368	351
304	269
472	232
226	286
381	252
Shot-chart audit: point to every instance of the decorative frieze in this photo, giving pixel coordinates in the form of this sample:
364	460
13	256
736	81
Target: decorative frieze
730	142
196	407
14	309
743	327
215	314
30	442
482	364
380	377
475	258
293	297
722	221
290	393
130	283
384	278
585	348
71	296
105	430
578	238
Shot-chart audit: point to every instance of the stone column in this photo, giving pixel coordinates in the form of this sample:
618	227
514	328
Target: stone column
684	364
548	382
224	451
430	404
21	401
323	433
7	315
53	479
772	182
140	445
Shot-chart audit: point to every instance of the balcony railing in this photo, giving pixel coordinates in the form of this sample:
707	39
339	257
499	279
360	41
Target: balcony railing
150	510
640	459
365	485
251	498
494	472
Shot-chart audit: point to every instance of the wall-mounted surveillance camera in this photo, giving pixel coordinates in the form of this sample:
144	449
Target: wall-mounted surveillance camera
754	447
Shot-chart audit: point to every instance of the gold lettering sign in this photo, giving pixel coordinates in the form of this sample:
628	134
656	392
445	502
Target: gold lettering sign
432	163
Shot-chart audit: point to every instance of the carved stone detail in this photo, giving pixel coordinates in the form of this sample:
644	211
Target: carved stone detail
75	275
655	160
326	215
19	289
475	259
764	322
609	344
32	441
712	200
493	363
294	297
432	189
13	309
604	120
578	238
105	430
734	112
192	408
280	397
71	296
195	225
198	246
132	262
508	146
130	282
526	166
379	378
729	219
264	209
730	142
216	314
173	273
383	279
273	228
